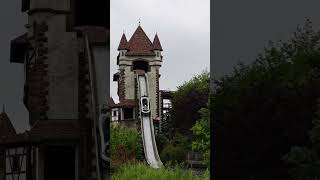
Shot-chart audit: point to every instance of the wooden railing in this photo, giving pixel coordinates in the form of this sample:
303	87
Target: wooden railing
194	159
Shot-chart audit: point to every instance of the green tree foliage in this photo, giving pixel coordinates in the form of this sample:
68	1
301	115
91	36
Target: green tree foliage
125	145
261	110
304	162
201	135
174	139
166	125
163	137
188	100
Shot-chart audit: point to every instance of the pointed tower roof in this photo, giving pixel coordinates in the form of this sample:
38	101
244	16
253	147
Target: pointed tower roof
123	42
156	45
6	127
139	44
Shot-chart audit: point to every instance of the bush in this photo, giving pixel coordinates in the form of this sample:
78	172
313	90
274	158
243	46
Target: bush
201	132
206	175
173	153
182	140
125	145
143	172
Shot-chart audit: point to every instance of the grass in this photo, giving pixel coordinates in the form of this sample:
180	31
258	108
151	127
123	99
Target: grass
140	171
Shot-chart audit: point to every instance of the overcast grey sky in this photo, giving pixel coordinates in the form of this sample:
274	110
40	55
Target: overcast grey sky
11	75
183	27
241	29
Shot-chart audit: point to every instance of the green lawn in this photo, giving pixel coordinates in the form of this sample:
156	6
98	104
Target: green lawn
140	171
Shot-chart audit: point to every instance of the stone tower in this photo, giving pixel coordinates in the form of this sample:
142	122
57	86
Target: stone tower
138	54
66	60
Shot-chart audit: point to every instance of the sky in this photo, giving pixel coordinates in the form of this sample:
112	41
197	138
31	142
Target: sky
11	75
183	27
241	29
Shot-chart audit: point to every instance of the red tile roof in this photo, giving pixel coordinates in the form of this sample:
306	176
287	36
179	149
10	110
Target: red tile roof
6	127
110	103
139	44
156	43
123	42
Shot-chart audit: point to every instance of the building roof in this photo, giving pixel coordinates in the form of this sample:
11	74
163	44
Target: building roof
156	45
6	127
110	103
125	103
116	76
96	35
139	44
55	130
45	130
123	42
18	48
164	94
16	140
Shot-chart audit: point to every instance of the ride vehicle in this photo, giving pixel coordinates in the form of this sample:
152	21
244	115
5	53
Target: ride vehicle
145	104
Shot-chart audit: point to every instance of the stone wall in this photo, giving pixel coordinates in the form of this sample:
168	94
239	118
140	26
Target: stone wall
62	60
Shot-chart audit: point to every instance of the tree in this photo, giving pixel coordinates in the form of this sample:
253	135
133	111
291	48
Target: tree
304	162
188	100
261	110
201	135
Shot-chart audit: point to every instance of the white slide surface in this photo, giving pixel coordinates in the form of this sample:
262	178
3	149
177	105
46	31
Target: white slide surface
148	138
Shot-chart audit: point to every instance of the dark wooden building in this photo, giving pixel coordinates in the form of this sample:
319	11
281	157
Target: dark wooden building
65	52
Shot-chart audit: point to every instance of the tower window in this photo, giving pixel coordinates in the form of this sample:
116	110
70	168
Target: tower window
140	65
158	54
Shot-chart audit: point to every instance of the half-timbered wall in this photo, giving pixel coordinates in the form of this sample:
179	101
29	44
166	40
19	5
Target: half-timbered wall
15	163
